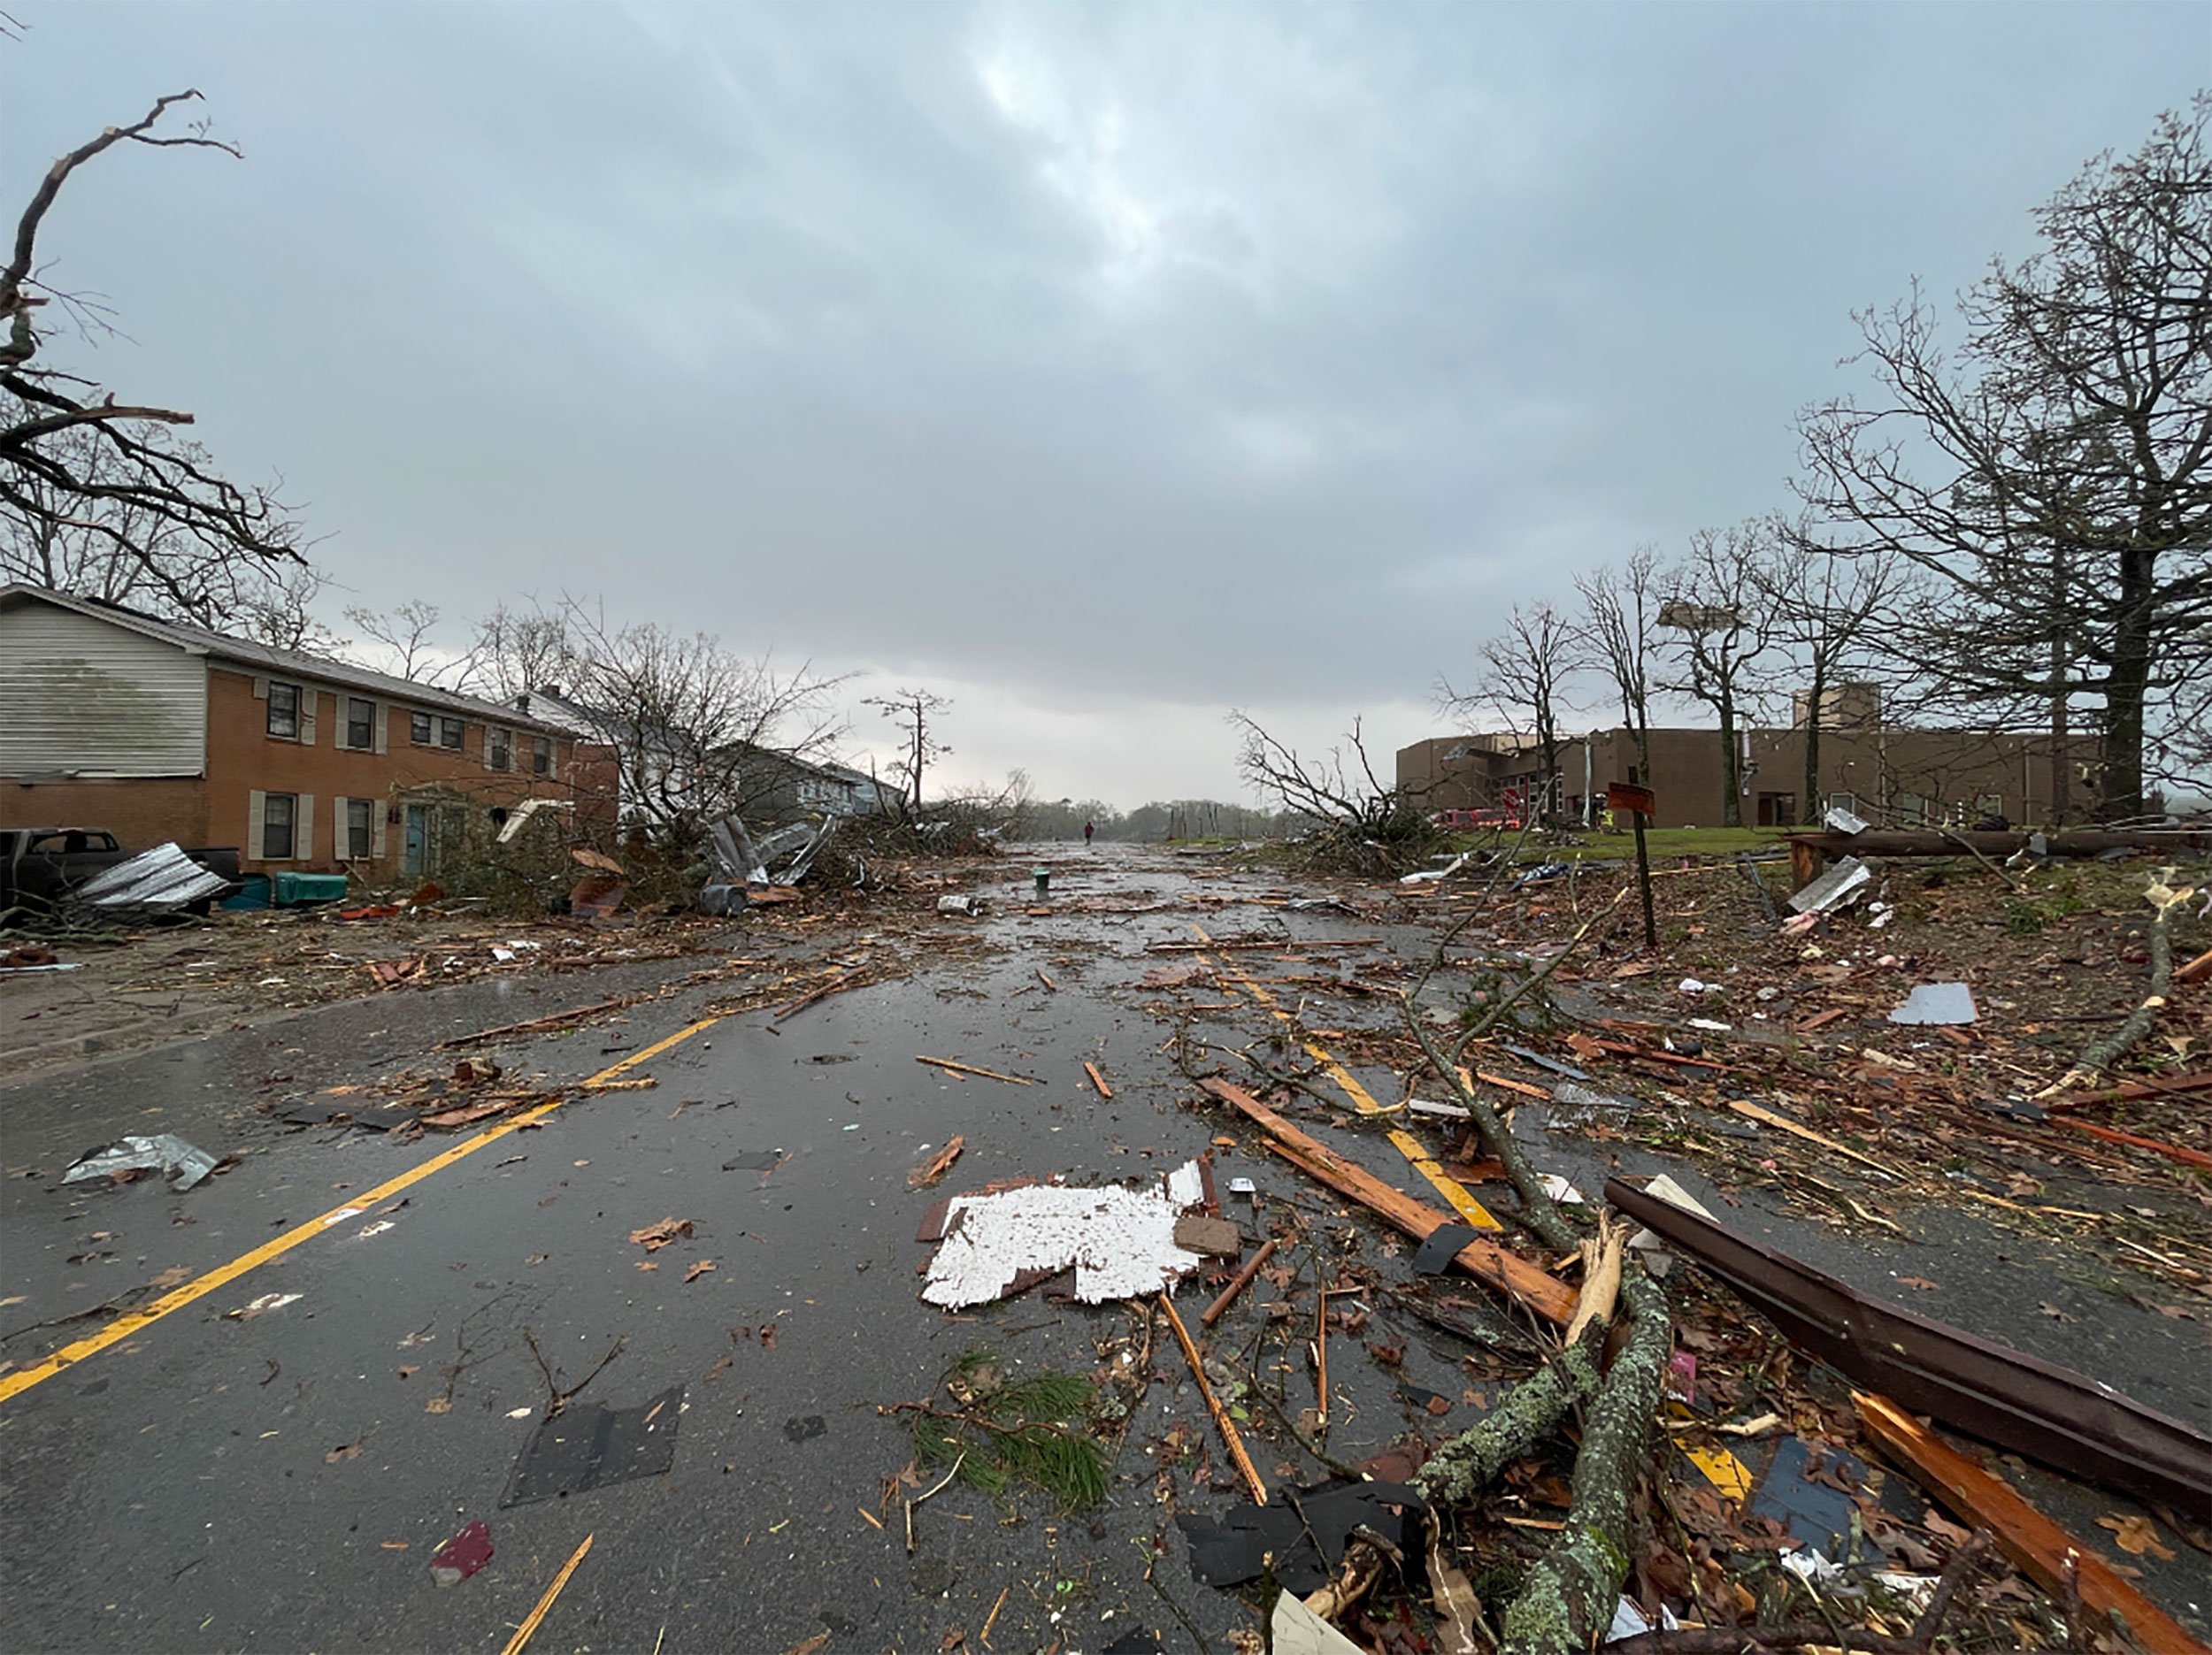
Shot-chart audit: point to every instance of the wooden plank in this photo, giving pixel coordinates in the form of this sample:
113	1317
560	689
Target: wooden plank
1098	1080
1485	1260
953	1066
2181	1153
1237	1283
2202	966
2032	1540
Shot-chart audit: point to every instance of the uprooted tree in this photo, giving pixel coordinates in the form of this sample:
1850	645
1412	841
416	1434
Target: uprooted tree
99	494
1363	824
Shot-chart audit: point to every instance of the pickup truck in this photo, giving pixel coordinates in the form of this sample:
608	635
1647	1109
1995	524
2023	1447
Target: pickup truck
41	865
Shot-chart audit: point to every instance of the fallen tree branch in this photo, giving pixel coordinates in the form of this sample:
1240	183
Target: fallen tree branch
2102	1054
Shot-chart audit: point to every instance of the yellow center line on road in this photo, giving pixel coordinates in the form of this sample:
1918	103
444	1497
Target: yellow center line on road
136	1321
1362	1101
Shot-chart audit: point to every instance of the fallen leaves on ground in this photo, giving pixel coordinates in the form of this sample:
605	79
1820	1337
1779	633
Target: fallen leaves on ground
698	1270
654	1237
347	1451
2136	1536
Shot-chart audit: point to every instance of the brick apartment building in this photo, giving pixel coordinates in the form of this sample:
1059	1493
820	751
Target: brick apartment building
1891	773
155	729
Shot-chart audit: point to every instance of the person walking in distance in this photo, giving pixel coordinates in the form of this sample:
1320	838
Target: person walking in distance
1088	829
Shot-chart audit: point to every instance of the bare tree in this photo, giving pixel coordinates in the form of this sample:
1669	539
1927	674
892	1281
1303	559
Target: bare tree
276	607
407	647
520	650
1827	609
1620	612
694	726
2057	485
96	482
1521	684
1716	601
914	711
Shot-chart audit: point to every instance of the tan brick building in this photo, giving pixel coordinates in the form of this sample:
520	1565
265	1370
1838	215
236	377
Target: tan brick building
1893	774
156	730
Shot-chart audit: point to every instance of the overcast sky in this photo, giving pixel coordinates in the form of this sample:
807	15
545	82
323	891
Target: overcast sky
1100	367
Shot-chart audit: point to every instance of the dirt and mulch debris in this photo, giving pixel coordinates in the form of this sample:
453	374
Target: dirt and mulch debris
1737	1453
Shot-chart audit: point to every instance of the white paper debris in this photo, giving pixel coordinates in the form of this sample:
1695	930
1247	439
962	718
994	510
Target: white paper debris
1120	1241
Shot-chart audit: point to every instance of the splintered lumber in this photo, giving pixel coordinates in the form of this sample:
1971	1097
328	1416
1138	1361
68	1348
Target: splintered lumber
1098	1080
1505	1084
1245	1468
1485	1260
533	1026
2202	966
2181	1153
1767	1117
836	985
2032	1540
1237	1283
531	1622
970	1069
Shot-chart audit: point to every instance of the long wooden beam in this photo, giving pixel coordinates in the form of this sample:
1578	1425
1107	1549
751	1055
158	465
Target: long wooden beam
1487	1262
2029	1539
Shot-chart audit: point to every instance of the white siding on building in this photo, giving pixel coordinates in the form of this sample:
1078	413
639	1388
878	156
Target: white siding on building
79	696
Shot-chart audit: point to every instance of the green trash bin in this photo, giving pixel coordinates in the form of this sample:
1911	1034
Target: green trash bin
1044	880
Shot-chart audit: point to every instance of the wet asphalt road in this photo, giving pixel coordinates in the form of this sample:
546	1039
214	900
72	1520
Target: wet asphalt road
278	1482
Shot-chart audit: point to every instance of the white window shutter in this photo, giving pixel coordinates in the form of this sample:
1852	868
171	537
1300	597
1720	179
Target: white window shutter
260	687
341	826
304	830
256	814
381	710
308	699
488	746
376	829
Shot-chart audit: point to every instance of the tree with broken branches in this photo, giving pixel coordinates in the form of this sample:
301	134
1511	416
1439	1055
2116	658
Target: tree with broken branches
98	490
1521	684
914	712
695	727
1716	603
2054	480
1829	610
1620	618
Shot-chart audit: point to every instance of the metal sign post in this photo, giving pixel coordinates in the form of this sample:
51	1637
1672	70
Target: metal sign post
1629	796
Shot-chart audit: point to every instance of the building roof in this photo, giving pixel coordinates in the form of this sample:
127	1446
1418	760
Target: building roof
264	659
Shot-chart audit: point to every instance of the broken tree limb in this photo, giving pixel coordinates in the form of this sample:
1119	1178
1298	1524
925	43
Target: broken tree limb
2039	1546
2102	1054
1237	1283
1245	1468
1568	1600
1469	1463
1485	1260
533	1026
